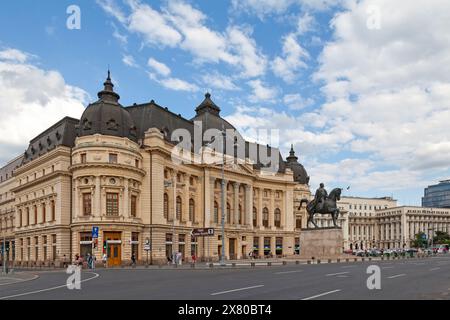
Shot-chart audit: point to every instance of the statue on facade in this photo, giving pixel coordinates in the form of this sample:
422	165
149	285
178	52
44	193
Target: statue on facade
323	203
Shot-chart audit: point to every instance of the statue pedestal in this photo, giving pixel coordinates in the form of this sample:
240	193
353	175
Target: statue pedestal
324	243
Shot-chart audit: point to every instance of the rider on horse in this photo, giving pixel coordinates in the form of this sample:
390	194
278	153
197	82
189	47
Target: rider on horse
320	197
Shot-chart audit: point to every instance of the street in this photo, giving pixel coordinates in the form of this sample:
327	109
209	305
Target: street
400	279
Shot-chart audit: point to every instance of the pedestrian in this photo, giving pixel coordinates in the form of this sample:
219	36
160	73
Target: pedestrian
133	260
194	258
104	260
179	258
94	260
250	255
89	261
169	260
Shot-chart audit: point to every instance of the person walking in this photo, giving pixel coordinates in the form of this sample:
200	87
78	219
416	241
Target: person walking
104	260
133	260
89	261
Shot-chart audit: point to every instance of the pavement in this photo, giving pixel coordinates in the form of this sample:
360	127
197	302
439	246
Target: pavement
405	279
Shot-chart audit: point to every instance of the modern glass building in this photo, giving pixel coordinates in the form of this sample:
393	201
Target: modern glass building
437	196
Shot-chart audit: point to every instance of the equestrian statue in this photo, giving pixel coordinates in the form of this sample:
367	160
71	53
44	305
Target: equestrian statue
323	203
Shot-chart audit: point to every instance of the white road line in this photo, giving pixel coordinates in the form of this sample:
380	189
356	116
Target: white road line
348	267
234	290
322	294
18	280
287	272
336	274
434	269
96	275
387	268
396	276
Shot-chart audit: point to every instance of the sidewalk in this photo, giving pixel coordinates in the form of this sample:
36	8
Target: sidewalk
16	277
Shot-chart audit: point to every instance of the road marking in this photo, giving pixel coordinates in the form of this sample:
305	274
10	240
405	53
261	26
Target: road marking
234	290
96	275
342	277
348	267
18	280
396	276
336	274
322	294
287	272
434	269
387	268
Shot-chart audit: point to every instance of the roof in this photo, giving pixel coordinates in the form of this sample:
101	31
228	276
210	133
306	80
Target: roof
7	171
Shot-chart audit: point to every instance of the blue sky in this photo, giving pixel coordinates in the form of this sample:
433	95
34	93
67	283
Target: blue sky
360	87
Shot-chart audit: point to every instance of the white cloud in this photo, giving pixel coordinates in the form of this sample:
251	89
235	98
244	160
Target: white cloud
31	100
219	81
159	67
111	7
174	83
123	39
297	102
129	61
153	26
289	65
261	93
305	23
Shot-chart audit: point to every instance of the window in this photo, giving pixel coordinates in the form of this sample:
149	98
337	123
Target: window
240	215
44	212
87	204
20	218
53	210
166	205
266	217
28	216
168	237
228	213
112	204
179	208
54	247
133	206
255	217
35	215
277	218
112	158
298	223
191	210
83	158
216	212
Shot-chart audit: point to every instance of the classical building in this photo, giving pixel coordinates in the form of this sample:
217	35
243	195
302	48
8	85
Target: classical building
115	169
437	196
397	227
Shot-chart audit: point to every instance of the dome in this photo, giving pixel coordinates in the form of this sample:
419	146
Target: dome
300	174
107	116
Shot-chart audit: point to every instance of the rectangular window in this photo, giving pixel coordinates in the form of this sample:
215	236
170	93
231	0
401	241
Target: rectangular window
168	237
298	223
135	245
112	204
83	158
53	211
112	158
43	213
54	247
87	204
136	163
133	206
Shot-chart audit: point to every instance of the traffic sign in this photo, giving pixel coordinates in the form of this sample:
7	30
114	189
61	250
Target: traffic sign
94	232
203	232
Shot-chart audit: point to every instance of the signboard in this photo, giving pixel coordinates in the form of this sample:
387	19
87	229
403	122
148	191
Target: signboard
94	232
85	242
203	232
114	241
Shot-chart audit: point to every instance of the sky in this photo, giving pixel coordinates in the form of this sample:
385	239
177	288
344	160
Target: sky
360	87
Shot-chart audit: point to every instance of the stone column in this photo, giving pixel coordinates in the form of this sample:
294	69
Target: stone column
185	211
97	210
249	206
261	246
126	199
236	204
272	210
260	208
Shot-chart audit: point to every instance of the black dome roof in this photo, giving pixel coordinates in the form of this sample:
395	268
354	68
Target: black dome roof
107	116
300	174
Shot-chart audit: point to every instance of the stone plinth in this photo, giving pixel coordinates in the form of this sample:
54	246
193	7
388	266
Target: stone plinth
321	243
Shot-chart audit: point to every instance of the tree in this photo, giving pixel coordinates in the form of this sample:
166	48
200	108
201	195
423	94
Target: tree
441	237
419	240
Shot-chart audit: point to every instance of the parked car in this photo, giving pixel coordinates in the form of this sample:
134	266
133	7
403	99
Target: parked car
348	251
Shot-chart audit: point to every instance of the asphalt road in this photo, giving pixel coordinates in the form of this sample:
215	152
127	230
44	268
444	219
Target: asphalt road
400	279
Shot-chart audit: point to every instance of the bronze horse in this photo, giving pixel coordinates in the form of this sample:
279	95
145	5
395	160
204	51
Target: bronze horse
329	207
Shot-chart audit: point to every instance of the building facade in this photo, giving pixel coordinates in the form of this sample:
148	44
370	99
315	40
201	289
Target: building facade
437	196
115	169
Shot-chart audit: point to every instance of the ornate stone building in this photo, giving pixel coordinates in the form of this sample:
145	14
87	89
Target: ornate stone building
114	169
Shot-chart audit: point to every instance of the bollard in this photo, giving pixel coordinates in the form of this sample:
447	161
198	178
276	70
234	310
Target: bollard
363	259
284	263
318	261
297	262
269	264
252	264
338	260
329	260
308	262
192	265
347	260
356	259
211	265
370	259
233	264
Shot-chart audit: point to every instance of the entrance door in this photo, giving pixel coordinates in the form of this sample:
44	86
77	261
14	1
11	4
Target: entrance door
232	246
114	246
244	254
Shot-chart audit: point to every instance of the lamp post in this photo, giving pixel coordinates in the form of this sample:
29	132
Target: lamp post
222	258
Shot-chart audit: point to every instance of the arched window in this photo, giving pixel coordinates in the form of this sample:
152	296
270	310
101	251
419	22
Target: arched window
277	218
228	213
266	217
166	205
241	220
179	208
255	217
216	212
191	210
